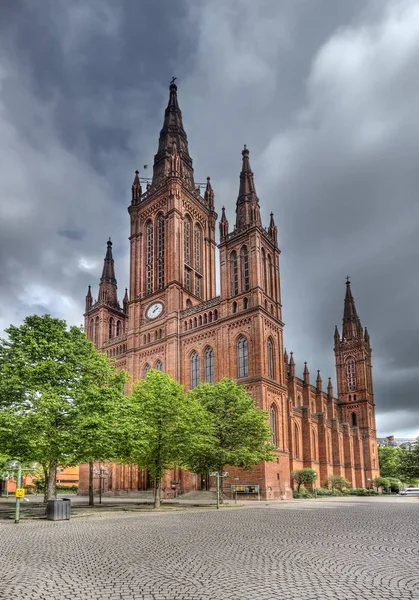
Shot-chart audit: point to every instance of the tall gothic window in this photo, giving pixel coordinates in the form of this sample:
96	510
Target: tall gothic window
243	357
244	266
315	456
296	441
197	247
195	372
118	328
270	358
234	274
264	280
146	369
351	374
187	277
160	252
273	414
149	257
110	328
209	365
159	365
198	285
97	331
270	276
92	330
354	420
187	240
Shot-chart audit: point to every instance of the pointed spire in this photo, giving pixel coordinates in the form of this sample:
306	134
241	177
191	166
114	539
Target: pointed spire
273	229
89	299
209	194
136	188
319	382
247	208
292	365
366	337
337	336
172	158
330	388
352	328
285	356
223	224
306	374
125	301
107	287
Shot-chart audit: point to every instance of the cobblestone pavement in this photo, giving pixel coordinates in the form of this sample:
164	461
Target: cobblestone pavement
349	550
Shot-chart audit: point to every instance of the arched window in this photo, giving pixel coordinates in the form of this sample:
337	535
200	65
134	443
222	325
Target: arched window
351	374
243	357
299	403
209	365
274	424
264	279
146	369
118	328
159	366
198	285
188	303
187	240
111	328
97	331
245	303
200	320
244	266
270	276
160	252
210	317
149	257
314	444
270	358
215	315
234	274
92	330
195	372
296	441
354	420
197	248
234	307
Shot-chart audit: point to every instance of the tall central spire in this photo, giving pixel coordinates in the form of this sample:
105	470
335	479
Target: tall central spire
172	158
352	327
247	207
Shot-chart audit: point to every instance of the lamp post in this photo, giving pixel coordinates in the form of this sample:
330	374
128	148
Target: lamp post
19	493
101	472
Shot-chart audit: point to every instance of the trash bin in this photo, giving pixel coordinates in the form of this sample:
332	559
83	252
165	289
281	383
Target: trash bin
58	510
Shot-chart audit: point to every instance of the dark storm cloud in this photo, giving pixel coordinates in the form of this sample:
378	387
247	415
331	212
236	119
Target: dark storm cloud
323	92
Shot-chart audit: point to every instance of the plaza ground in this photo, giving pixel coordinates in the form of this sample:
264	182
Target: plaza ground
349	548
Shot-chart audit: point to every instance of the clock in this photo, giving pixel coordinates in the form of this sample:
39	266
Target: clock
154	310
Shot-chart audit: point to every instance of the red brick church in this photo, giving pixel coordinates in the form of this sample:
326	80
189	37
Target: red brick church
171	319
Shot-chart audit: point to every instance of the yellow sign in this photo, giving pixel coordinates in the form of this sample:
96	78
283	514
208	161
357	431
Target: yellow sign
20	492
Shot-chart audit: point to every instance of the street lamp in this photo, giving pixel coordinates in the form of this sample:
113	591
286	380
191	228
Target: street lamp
20	492
102	473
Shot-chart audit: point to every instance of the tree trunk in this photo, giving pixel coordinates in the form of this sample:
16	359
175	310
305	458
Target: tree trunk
157	486
46	479
50	484
91	490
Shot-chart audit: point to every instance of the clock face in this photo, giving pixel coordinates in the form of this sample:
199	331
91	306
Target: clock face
155	310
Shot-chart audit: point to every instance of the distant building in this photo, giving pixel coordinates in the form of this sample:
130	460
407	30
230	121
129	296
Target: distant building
396	442
172	320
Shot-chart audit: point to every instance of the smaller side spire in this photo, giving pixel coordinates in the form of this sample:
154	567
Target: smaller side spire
125	301
136	188
292	365
273	229
89	299
337	336
366	337
330	388
319	382
209	194
223	225
306	374
285	362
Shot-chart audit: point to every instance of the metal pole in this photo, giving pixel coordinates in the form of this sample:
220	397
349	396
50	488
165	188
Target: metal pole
100	486
236	493
18	485
218	490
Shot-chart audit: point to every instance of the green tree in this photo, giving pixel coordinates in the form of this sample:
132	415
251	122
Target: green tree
55	393
165	427
304	476
389	461
337	482
239	430
382	482
409	462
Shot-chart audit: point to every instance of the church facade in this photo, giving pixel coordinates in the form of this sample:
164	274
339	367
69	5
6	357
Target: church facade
172	320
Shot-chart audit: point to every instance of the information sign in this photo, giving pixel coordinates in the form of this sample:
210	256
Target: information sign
20	492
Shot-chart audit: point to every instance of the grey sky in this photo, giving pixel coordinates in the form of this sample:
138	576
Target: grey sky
325	95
